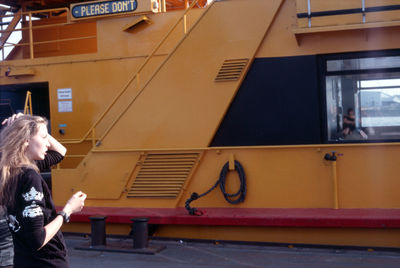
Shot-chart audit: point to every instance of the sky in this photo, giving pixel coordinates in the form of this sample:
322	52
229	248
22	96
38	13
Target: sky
14	38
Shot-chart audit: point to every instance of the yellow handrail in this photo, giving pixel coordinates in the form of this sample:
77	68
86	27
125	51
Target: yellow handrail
135	76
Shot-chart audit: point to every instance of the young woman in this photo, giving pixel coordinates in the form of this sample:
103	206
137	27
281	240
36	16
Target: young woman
26	148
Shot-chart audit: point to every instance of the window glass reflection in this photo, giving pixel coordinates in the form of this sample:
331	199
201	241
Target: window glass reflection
363	107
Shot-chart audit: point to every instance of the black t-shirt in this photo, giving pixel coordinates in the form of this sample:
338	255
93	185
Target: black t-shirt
33	209
347	125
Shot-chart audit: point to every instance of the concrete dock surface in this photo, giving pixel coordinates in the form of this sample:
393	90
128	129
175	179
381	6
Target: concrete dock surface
180	254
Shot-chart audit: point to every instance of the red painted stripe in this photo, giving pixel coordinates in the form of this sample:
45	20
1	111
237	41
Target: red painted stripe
284	217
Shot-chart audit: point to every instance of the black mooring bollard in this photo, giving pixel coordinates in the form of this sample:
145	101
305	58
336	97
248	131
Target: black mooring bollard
140	232
98	224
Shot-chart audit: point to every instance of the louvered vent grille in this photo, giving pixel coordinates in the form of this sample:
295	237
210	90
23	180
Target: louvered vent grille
163	175
231	70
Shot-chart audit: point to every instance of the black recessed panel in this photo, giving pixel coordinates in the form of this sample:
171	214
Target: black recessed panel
277	104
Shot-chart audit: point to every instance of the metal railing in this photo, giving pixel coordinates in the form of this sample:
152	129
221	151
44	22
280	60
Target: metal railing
26	18
363	10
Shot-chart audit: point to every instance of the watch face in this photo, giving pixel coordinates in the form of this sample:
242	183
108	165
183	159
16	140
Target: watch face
66	218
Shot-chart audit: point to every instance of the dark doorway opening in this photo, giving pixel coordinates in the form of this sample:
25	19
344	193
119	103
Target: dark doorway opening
12	99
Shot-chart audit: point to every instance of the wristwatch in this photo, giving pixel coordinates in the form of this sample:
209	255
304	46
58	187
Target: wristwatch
64	215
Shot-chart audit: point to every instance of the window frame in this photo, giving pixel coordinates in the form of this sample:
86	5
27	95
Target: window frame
323	73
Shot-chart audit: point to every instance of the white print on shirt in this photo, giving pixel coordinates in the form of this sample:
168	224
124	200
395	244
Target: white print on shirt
33	194
13	223
32	211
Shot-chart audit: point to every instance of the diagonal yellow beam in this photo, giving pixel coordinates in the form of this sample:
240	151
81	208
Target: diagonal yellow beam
10	28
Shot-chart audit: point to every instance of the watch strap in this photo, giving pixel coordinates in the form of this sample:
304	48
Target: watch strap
64	215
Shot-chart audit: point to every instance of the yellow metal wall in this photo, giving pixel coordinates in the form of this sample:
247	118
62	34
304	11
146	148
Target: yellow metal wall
299	172
177	113
299	177
280	177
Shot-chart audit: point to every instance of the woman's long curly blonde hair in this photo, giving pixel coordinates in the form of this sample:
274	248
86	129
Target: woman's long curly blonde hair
13	143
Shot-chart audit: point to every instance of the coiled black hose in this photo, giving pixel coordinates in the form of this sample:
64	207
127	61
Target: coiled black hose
235	198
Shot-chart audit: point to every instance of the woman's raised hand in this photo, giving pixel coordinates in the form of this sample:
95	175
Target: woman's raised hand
11	119
75	203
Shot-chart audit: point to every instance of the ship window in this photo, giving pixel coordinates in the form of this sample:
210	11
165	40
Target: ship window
362	98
